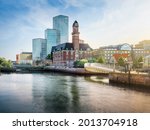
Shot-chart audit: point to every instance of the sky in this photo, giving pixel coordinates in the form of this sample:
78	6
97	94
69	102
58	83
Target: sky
101	22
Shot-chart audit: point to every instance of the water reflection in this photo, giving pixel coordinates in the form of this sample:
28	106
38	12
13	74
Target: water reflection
62	93
56	93
57	98
15	93
98	79
75	96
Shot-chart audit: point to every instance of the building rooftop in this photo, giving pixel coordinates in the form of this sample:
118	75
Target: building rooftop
39	39
64	46
26	53
50	29
60	16
69	46
117	56
84	46
124	46
75	24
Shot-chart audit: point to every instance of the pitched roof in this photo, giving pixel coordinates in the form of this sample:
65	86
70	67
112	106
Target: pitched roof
117	47
117	56
26	53
75	24
69	46
84	46
64	46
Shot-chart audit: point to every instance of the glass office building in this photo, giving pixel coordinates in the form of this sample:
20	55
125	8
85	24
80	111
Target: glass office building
39	49
61	23
53	38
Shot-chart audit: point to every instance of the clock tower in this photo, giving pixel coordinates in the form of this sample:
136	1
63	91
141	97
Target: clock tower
75	35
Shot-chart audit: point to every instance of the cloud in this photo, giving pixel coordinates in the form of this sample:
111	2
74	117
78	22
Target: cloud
126	21
82	4
102	22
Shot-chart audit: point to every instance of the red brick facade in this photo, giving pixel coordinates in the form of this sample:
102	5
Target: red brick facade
67	57
64	57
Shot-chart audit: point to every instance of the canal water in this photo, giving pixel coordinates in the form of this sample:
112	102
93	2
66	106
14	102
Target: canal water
62	93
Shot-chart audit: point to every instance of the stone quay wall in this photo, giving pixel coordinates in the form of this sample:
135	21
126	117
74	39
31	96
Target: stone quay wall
133	79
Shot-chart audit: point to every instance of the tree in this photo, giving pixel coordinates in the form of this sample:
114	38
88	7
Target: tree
37	62
49	56
140	61
80	63
5	63
121	62
137	63
100	60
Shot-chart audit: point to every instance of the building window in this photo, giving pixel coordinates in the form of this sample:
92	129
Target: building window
67	52
71	52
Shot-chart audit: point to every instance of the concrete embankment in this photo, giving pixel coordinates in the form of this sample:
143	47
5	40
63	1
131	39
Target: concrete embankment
29	69
132	79
70	71
7	70
73	71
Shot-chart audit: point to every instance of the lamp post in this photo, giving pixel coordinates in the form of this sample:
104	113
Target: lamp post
114	65
141	63
129	75
148	62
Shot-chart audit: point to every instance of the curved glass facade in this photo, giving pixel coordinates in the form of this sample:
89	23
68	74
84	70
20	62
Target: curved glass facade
53	38
125	47
39	49
61	24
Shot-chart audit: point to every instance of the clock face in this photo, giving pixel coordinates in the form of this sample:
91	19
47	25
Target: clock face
75	29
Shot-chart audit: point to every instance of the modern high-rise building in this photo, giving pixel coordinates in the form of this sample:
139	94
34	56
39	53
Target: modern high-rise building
39	49
53	38
61	23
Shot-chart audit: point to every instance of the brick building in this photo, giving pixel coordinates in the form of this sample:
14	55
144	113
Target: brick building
66	53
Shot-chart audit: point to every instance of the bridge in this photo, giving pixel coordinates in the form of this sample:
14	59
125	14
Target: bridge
99	68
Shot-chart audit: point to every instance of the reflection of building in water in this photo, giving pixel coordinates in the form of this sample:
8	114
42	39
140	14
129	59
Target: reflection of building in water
97	79
38	91
75	104
53	93
57	98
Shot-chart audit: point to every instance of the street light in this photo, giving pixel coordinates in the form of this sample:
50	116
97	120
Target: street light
114	64
129	75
